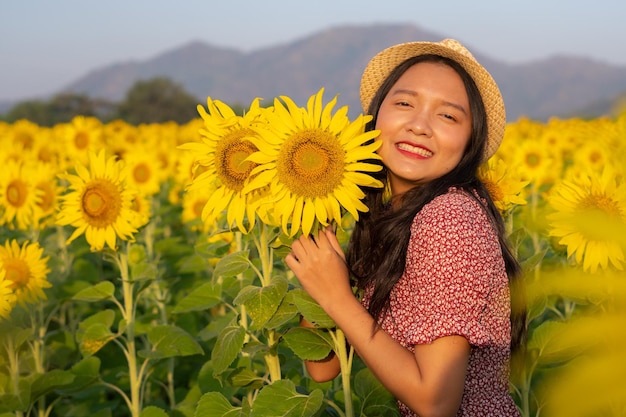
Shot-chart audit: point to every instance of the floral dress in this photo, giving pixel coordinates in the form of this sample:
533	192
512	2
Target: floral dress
455	283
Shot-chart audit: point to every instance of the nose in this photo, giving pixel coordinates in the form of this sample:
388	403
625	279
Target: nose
419	123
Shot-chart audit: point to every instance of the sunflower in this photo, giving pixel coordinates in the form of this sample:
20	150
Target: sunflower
81	136
590	218
99	203
18	195
504	186
193	203
141	210
314	163
536	163
221	158
26	269
143	169
7	296
45	181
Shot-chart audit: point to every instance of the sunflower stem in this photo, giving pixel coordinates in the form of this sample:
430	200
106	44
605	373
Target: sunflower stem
345	363
266	255
129	315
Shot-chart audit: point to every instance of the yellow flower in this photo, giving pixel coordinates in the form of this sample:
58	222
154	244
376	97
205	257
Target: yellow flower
141	210
193	204
504	187
143	169
590	218
221	158
535	161
18	196
26	269
99	203
314	163
7	296
44	178
82	136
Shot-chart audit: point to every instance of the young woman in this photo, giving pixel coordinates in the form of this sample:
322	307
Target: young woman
434	323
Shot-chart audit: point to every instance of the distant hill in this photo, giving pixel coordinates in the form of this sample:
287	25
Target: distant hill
335	58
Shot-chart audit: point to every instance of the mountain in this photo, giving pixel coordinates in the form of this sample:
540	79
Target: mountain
334	59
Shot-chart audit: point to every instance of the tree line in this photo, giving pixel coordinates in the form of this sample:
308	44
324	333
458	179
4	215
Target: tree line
156	100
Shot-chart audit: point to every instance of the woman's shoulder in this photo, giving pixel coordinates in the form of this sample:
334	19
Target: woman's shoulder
454	200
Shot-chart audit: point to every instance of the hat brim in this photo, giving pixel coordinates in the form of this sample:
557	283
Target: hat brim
382	64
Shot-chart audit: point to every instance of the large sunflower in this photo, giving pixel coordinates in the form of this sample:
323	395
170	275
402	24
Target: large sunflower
27	270
19	198
314	163
99	203
590	218
7	295
222	164
504	186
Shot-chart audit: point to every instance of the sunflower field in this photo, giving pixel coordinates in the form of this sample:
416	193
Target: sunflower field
142	267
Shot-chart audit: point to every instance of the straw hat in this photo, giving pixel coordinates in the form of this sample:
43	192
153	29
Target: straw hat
385	61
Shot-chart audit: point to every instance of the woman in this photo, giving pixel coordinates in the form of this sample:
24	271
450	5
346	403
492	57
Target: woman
434	324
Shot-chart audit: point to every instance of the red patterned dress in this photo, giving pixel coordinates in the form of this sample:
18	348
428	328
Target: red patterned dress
455	283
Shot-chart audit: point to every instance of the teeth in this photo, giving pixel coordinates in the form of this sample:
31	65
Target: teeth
414	149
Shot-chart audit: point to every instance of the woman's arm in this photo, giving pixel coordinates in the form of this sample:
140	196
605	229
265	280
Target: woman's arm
325	369
429	381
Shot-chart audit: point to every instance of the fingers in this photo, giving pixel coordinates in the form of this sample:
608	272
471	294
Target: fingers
334	242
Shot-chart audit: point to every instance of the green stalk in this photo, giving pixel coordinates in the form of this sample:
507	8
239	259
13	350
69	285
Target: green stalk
345	363
266	256
129	316
14	369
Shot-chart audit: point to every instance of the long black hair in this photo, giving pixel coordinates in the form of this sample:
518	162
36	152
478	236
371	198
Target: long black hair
378	245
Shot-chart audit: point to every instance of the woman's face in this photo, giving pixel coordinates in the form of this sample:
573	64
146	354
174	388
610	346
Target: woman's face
425	125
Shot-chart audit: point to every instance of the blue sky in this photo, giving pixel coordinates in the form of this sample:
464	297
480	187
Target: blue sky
47	44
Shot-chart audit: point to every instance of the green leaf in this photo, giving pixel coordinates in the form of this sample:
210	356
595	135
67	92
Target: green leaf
286	311
143	271
152	411
227	347
282	399
311	310
101	291
169	341
261	302
104	317
309	344
86	371
231	265
214	404
192	264
50	381
245	377
17	335
94	338
202	298
374	397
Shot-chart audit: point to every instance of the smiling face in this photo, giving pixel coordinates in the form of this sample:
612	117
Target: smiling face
425	123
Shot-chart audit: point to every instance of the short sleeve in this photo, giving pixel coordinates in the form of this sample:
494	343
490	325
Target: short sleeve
454	281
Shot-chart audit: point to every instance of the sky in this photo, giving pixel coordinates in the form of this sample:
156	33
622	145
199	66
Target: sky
47	44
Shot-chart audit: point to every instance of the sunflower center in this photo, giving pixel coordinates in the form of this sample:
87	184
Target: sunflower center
17	272
311	163
595	157
533	160
47	196
230	157
600	203
141	173
16	193
102	203
494	190
81	140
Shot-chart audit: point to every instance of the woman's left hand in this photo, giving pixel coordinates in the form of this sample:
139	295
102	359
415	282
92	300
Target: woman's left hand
319	264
